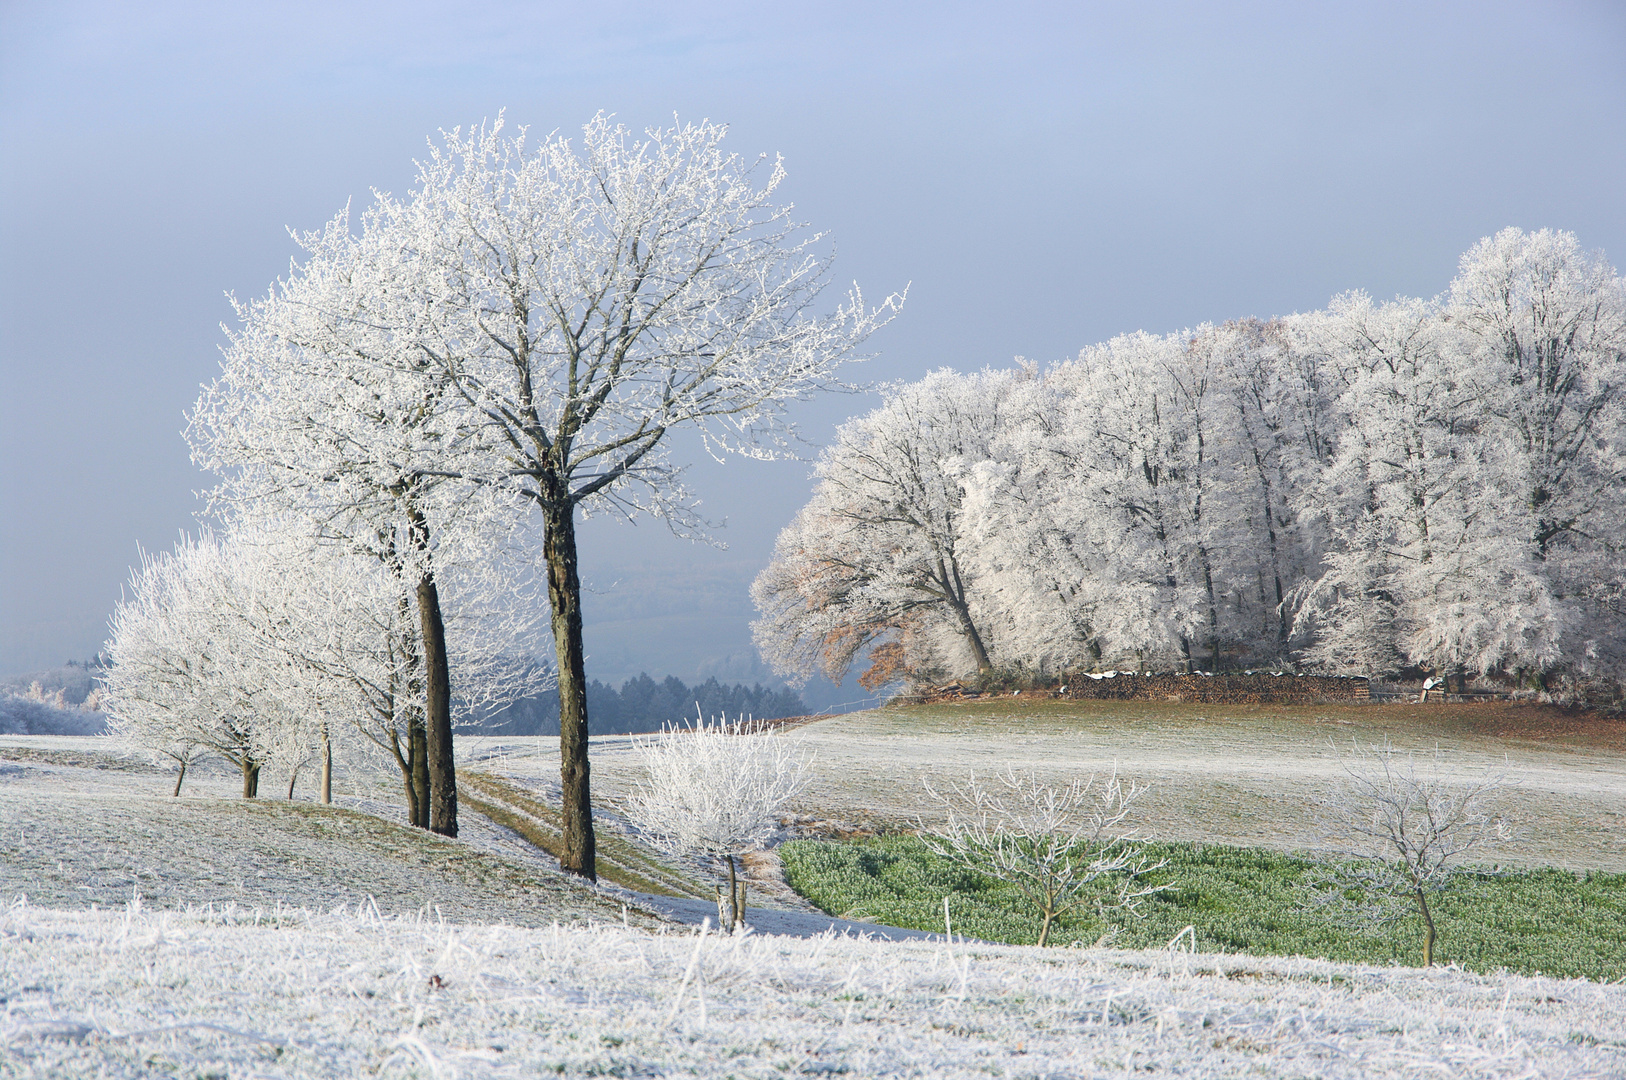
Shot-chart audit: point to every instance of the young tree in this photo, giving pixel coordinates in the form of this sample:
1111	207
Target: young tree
588	302
1402	832
1052	843
716	789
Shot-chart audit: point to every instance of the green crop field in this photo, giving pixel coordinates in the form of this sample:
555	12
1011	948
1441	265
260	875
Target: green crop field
1238	900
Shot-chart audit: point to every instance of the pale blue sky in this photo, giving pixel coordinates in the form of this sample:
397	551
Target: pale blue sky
1045	175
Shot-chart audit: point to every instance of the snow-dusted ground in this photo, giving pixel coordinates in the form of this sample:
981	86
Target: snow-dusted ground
72	835
139	993
292	940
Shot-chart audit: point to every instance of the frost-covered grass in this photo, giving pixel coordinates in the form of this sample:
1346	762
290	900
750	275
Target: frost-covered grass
290	993
73	836
620	860
1238	900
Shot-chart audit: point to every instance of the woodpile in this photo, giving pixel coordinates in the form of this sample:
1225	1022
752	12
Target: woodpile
1240	688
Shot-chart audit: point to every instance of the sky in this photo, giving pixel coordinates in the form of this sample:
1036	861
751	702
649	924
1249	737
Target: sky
1040	176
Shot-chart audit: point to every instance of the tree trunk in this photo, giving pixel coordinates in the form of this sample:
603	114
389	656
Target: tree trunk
437	691
954	587
984	666
1213	612
734	919
438	721
564	600
327	770
1044	930
178	779
292	778
251	778
1428	932
418	770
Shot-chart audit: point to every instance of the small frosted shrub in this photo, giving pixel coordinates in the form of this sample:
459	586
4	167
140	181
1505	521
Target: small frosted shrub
716	789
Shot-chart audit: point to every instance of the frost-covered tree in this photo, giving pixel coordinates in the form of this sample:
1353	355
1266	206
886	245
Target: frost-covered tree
532	322
716	789
1052	843
1430	560
1543	325
186	666
589	300
1399	833
344	627
329	419
878	555
1400	478
1149	479
313	417
1281	438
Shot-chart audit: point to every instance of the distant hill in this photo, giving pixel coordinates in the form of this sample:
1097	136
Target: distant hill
643	704
58	701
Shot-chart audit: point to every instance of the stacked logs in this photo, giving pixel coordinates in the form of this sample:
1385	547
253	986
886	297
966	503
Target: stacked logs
1237	688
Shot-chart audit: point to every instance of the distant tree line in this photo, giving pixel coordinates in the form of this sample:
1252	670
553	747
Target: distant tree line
644	704
1370	488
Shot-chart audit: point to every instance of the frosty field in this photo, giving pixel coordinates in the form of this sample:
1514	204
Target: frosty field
1231	774
136	993
278	939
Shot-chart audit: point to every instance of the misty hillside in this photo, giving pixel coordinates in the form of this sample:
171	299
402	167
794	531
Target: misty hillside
643	704
58	701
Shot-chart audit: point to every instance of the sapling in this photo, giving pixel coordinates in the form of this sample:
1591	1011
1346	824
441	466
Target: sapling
1399	834
716	789
1051	843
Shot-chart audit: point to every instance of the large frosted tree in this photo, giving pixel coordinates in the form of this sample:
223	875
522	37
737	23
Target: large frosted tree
877	558
1542	322
588	299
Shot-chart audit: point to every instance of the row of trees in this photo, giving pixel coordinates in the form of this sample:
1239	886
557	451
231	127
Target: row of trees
1360	489
442	388
268	648
644	704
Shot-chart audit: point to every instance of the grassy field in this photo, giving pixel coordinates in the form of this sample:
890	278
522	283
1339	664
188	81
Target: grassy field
1243	776
1238	900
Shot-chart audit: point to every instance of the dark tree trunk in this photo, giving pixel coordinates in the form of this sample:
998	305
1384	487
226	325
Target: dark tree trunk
1428	929
418	770
327	770
441	810
735	915
438	721
437	690
1213	612
293	778
251	778
948	573
564	600
178	780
